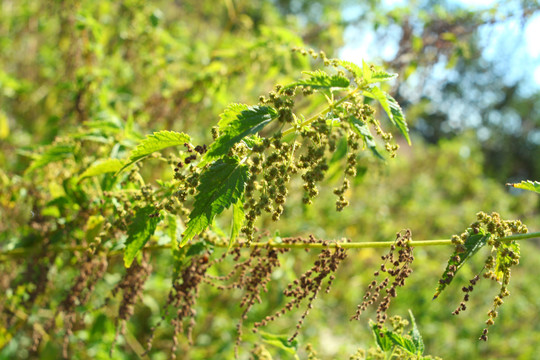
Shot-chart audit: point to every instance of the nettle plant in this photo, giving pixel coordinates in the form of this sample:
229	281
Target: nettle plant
103	208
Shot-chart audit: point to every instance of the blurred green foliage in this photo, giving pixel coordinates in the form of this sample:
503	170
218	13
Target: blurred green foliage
82	80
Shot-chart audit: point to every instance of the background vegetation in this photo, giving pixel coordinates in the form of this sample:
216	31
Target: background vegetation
106	73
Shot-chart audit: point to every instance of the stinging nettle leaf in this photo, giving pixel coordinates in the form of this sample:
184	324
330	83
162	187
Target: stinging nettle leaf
533	186
473	243
237	122
320	80
139	232
280	341
51	154
221	185
156	142
362	129
384	342
392	109
416	336
402	342
101	167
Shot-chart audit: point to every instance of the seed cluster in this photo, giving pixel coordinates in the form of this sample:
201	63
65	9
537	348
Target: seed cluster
398	268
131	286
310	283
182	297
497	266
92	270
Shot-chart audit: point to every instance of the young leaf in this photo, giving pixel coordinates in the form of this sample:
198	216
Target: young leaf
383	341
527	185
155	142
392	108
139	232
51	154
380	75
280	341
416	337
402	342
352	67
320	80
237	122
221	185
101	167
473	243
362	129
237	221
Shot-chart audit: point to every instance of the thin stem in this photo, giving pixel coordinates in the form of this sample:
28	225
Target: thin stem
274	244
322	112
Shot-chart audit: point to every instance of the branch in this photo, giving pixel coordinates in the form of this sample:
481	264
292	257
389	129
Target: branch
272	243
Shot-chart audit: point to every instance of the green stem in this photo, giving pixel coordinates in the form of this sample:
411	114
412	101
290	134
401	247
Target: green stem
322	112
274	244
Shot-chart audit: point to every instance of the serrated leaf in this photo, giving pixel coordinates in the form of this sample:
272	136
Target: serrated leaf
221	185
416	336
51	154
237	122
280	341
320	80
156	142
392	109
101	167
237	221
366	72
352	67
473	243
362	129
383	341
381	75
139	232
533	186
402	342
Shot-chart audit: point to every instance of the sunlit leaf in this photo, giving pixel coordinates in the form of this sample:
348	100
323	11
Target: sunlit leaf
320	80
362	129
237	122
392	108
221	185
101	167
156	142
473	243
527	185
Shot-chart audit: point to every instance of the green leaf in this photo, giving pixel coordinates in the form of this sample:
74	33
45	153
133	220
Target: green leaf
473	243
280	341
51	154
156	142
392	108
362	129
383	341
221	185
352	68
320	80
366	72
237	221
237	122
527	185
139	232
416	336
402	342
380	75
101	167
